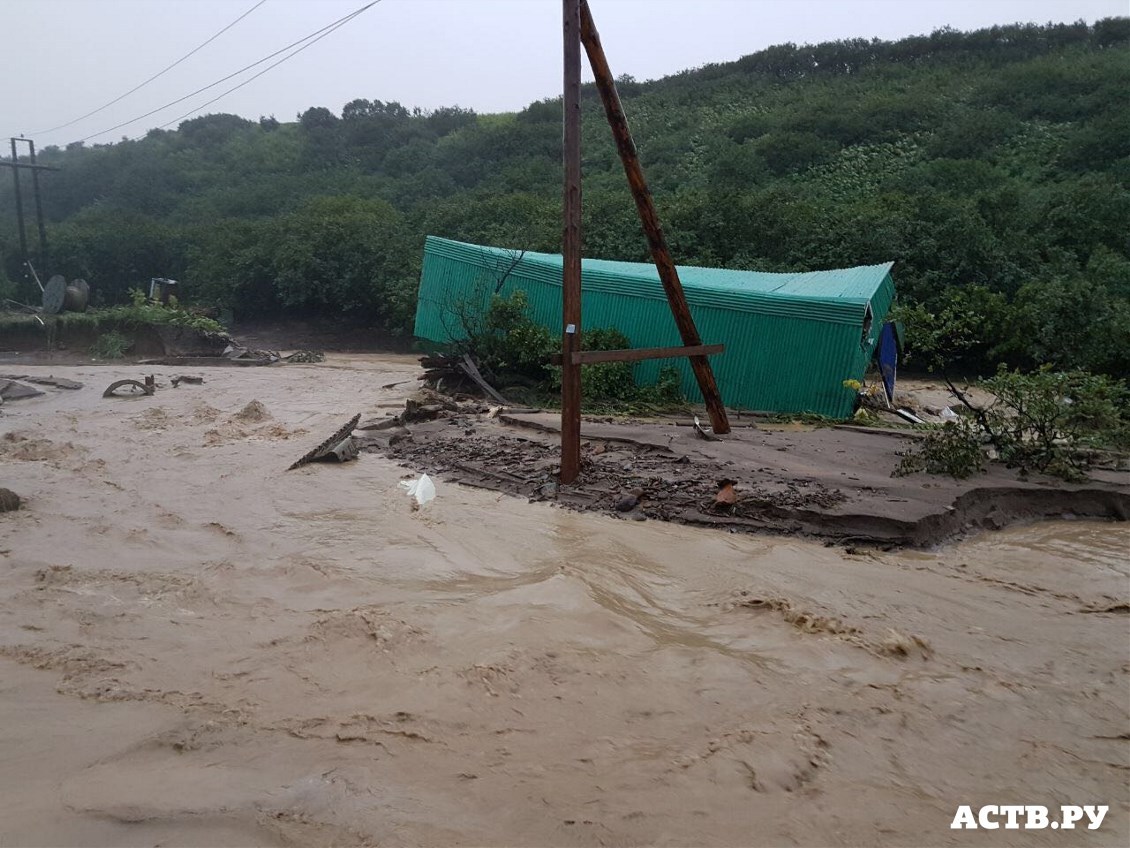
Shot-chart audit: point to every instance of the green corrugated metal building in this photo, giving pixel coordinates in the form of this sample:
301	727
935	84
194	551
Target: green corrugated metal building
791	339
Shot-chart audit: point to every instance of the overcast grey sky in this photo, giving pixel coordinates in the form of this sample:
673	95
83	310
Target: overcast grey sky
72	56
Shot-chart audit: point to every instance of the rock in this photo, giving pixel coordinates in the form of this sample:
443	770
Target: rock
629	501
9	500
726	495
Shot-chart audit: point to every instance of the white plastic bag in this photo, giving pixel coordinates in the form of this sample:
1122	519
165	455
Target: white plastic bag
422	489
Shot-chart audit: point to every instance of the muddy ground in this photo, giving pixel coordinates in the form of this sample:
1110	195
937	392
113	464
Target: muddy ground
200	648
834	483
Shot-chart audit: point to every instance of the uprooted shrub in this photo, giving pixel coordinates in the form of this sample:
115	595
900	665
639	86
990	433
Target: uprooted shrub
1052	422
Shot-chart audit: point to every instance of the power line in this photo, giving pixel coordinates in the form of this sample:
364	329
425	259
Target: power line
316	35
337	26
156	75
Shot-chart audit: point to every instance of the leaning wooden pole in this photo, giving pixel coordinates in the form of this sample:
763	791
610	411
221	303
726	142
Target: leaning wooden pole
668	275
571	249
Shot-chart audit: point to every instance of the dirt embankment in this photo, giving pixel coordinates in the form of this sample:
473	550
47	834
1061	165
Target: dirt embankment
67	339
831	482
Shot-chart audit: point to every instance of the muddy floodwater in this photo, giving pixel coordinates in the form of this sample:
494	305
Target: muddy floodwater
199	648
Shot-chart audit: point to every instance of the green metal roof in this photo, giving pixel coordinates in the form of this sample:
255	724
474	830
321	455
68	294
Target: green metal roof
791	339
839	296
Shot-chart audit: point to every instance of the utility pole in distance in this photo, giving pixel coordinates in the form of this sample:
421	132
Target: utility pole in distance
16	167
19	205
38	208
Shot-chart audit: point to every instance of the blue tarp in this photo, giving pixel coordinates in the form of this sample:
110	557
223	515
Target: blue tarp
887	352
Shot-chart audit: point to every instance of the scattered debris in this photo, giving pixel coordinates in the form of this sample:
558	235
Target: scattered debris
248	356
340	446
184	378
422	489
907	415
253	413
305	356
9	500
56	382
704	432
136	389
425	405
11	390
451	372
472	371
205	361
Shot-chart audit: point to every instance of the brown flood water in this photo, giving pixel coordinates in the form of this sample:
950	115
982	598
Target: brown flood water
197	648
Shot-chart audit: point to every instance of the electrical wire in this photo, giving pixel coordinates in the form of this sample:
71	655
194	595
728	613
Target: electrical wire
317	35
155	76
279	62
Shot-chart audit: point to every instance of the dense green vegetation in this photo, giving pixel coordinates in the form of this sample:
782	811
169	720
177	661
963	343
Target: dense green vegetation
993	167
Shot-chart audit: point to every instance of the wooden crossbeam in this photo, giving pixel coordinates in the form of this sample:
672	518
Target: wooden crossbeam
591	357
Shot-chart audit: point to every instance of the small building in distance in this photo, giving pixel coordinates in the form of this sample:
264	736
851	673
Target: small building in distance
791	339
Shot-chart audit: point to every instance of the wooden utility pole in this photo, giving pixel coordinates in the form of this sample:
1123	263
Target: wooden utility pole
16	167
19	205
571	249
668	275
38	208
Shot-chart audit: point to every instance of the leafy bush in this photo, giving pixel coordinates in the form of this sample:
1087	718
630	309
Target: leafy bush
512	350
1046	421
505	342
606	382
111	345
611	387
953	449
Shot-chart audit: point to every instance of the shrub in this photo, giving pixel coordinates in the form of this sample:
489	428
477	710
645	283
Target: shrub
606	382
1046	421
511	350
111	345
953	449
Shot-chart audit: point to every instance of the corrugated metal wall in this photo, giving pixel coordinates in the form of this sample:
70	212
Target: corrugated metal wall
783	353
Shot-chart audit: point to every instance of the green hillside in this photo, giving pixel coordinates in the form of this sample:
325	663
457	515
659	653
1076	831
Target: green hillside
993	167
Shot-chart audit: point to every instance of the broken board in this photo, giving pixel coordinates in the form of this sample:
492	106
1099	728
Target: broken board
333	446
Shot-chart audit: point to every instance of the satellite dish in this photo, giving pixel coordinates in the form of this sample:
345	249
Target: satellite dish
53	294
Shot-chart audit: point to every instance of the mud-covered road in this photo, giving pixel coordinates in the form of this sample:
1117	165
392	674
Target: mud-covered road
198	648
